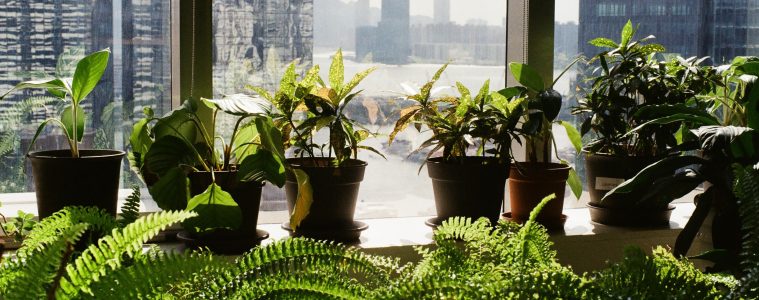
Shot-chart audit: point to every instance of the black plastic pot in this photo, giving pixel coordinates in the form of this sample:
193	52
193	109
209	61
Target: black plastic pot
60	180
473	188
529	183
247	195
603	173
335	192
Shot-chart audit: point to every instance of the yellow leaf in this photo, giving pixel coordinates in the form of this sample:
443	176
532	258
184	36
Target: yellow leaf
303	202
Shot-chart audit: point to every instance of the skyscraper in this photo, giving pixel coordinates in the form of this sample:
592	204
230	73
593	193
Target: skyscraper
442	11
388	42
721	29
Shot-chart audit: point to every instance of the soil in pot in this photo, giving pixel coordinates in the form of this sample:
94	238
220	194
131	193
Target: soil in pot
89	180
473	188
247	195
605	172
335	192
529	183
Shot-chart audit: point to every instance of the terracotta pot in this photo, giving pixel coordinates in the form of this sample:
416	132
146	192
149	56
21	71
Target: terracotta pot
529	183
60	180
471	189
335	193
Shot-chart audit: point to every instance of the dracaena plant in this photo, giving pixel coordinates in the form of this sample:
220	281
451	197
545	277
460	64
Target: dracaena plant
544	105
483	124
73	90
170	147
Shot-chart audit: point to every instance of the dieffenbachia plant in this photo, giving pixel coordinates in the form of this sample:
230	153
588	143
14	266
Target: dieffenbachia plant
89	71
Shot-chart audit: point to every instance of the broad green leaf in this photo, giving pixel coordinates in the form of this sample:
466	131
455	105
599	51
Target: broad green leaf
42	127
512	92
646	177
603	42
260	166
50	83
484	91
573	134
241	105
271	138
167	153
246	141
67	119
697	120
172	190
527	76
215	209
140	139
355	81
304	199
88	72
179	123
574	181
627	34
337	72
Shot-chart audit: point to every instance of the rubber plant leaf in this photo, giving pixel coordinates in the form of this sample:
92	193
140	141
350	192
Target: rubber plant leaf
527	76
215	209
304	200
67	120
88	72
650	174
262	165
171	191
167	153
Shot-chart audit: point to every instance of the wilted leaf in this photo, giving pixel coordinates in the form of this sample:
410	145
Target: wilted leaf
304	199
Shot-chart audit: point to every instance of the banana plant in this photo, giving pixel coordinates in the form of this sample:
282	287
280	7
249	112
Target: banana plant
544	105
171	147
89	71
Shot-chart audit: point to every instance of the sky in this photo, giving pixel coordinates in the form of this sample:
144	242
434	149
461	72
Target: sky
492	11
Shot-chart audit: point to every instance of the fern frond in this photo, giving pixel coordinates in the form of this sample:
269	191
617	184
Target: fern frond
130	211
39	269
47	230
746	190
97	260
151	277
318	285
299	255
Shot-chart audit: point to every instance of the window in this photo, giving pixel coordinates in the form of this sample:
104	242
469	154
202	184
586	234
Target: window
406	40
41	37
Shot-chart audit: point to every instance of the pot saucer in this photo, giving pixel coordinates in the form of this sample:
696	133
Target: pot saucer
630	217
551	225
433	222
222	244
348	234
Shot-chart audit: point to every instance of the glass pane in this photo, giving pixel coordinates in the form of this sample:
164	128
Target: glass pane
406	40
41	38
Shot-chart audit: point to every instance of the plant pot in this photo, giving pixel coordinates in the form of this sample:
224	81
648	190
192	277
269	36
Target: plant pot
605	172
471	189
247	195
335	191
529	183
90	180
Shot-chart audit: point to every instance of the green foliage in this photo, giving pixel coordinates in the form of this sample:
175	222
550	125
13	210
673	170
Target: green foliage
88	72
20	227
99	223
747	192
130	211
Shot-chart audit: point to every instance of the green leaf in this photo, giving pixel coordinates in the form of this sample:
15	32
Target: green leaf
697	120
42	127
337	72
646	177
304	199
49	83
627	34
172	191
167	153
573	134
246	141
574	181
140	139
287	83
355	81
603	43
215	209
67	120
262	165
88	72
241	105
527	76
271	138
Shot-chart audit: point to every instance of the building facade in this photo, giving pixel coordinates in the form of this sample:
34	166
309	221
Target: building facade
389	41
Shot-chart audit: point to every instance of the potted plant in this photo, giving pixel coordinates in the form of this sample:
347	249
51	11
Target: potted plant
223	186
323	178
59	174
474	133
631	82
538	176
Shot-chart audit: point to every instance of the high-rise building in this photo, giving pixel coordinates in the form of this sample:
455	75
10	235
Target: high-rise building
441	11
389	41
720	29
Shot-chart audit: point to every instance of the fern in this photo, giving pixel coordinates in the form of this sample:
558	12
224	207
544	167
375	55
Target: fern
99	223
110	251
303	256
130	211
317	285
747	192
33	275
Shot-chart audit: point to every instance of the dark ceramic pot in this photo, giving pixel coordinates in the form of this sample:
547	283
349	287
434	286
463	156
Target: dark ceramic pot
60	180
